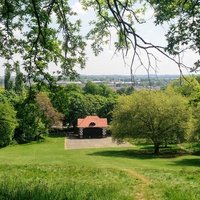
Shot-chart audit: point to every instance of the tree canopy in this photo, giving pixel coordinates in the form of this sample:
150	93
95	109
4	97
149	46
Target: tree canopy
8	123
35	34
155	115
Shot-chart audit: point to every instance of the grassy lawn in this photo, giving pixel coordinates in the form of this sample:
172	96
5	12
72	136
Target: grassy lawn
46	171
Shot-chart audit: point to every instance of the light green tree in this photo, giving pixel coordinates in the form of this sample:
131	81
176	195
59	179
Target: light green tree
158	116
8	123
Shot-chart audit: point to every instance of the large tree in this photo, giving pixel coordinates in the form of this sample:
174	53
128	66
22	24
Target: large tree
38	33
158	116
71	102
124	16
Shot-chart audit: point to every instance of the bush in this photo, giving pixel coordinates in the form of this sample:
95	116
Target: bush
8	123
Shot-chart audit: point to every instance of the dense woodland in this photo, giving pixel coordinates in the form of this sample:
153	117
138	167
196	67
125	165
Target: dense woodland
166	116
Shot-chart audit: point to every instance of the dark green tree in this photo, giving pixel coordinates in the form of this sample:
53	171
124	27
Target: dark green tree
30	124
70	103
19	79
8	84
92	88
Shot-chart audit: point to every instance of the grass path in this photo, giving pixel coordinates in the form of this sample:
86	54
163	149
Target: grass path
142	187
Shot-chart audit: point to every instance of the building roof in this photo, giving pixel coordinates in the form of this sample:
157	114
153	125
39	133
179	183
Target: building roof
92	122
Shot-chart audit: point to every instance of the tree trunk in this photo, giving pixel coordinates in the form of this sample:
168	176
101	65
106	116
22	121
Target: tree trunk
156	148
165	144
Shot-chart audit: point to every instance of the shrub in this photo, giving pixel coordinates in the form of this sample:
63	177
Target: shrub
8	123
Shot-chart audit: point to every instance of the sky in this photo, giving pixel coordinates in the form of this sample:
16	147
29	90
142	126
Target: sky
108	63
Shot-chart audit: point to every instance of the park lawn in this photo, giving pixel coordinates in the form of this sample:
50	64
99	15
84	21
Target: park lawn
46	171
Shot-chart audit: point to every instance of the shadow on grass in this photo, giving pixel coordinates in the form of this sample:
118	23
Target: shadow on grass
195	162
141	153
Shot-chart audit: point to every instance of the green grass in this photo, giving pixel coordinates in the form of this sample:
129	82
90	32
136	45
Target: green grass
46	171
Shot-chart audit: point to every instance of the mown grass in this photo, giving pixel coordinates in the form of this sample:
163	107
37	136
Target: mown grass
47	171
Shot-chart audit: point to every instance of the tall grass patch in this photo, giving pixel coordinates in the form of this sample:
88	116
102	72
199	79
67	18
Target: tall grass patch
64	182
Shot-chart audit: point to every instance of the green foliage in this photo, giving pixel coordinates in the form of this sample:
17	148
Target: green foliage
8	123
110	14
74	103
190	88
8	84
50	117
92	88
126	90
71	103
107	108
30	122
184	32
94	103
19	80
187	86
196	122
98	89
161	117
29	37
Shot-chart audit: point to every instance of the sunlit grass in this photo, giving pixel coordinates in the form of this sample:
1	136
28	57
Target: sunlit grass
46	171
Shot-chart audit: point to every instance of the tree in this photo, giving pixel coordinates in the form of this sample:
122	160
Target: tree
51	117
36	33
8	84
161	117
19	82
94	103
125	15
196	121
8	123
92	88
107	108
70	103
188	86
30	125
126	90
184	31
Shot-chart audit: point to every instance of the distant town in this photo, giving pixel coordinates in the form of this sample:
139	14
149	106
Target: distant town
117	82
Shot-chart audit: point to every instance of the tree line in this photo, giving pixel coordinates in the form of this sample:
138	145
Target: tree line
26	116
167	116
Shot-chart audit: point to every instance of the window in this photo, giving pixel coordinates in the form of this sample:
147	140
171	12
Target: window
92	124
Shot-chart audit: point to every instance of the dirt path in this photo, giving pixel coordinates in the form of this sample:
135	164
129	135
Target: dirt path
92	143
145	182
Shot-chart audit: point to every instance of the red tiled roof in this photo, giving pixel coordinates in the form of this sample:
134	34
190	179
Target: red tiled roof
92	121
